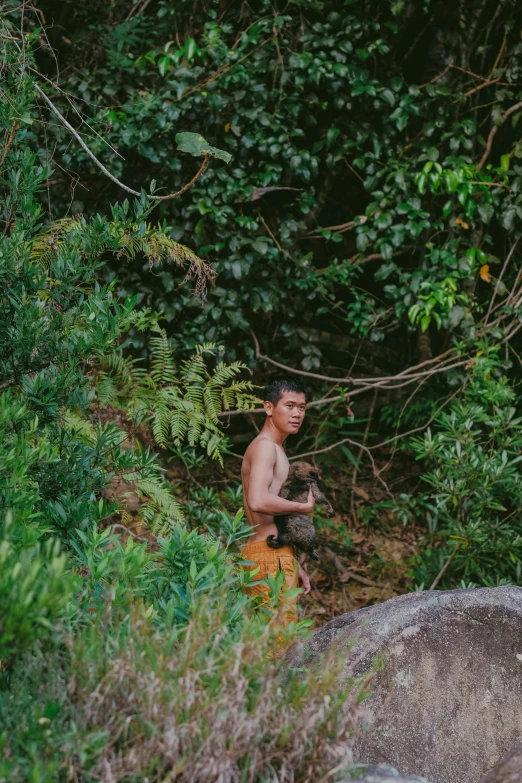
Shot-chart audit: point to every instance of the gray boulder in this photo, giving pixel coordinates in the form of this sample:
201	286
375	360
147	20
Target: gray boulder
446	695
508	769
383	774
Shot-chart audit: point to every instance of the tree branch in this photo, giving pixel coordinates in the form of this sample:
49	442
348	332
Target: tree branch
444	567
481	87
406	377
117	526
360	446
499	279
384	442
102	167
10	138
493	133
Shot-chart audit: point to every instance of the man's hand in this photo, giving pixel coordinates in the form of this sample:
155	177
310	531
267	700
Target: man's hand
304	580
308	507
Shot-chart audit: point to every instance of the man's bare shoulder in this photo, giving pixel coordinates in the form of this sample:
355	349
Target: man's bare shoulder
262	448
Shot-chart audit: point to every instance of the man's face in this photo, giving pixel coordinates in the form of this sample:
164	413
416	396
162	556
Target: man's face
288	413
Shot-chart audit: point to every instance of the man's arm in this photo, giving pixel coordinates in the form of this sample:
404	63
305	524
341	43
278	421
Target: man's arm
259	498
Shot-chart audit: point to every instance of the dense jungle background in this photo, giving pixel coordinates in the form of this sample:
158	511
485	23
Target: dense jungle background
198	197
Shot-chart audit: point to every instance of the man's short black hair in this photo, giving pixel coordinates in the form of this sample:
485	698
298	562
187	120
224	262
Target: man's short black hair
275	389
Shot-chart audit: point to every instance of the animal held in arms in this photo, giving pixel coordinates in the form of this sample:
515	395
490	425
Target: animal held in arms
296	529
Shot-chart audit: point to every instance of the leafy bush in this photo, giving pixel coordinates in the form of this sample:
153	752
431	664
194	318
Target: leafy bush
139	660
400	213
59	327
475	479
34	591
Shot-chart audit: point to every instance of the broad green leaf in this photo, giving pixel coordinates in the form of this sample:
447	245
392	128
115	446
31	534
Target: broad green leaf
388	96
384	271
332	134
163	65
387	251
425	322
452	180
190	48
420	181
196	145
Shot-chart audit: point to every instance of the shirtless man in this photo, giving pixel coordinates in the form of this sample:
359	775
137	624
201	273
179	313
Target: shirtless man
264	470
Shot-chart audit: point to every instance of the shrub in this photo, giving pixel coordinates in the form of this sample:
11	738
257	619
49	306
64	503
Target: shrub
475	484
34	590
160	670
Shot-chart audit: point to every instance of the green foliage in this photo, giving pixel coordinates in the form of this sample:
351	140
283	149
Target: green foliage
295	96
129	700
34	590
372	193
185	568
59	327
171	630
181	403
475	484
145	658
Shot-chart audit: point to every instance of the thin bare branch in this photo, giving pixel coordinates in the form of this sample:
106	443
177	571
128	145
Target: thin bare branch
405	377
340	229
499	279
384	442
117	526
106	171
444	567
136	10
71	103
493	133
481	86
274	238
499	55
9	141
361	446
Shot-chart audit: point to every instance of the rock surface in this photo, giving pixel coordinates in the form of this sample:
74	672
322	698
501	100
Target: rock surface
383	774
508	769
446	699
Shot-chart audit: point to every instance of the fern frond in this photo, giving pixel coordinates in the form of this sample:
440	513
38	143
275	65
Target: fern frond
46	246
161	422
159	247
179	424
106	391
208	348
163	506
74	423
212	397
194	370
163	369
227	372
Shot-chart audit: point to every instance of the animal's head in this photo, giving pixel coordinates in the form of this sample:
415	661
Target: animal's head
303	471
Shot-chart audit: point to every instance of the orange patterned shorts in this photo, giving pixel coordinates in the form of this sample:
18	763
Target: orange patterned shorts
270	561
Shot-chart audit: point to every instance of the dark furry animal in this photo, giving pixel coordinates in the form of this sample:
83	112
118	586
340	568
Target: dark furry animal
297	529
